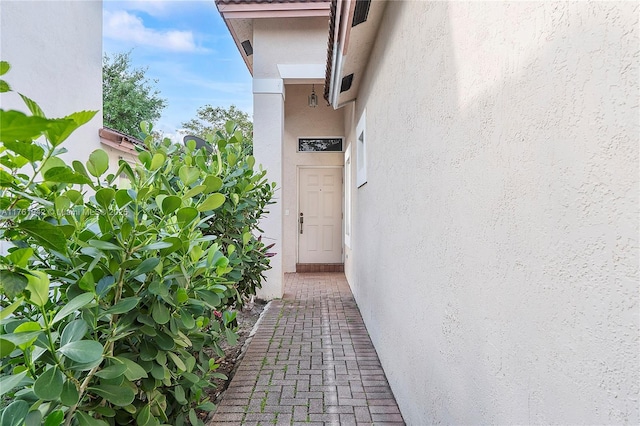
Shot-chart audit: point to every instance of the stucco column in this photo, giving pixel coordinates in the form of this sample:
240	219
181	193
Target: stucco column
268	132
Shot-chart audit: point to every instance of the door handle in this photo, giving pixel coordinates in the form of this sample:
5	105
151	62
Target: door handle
301	221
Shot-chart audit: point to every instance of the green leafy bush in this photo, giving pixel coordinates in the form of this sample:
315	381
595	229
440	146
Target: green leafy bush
111	297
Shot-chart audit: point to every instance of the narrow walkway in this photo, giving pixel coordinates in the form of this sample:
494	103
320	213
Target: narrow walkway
311	362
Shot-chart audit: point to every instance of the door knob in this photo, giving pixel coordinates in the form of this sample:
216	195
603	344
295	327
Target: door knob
301	221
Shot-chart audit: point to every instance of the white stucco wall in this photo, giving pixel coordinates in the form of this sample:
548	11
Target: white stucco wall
496	240
295	41
287	41
55	50
302	121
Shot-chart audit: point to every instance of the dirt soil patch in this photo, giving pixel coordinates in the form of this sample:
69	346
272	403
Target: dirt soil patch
247	318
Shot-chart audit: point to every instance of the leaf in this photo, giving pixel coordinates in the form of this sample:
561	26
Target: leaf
85	351
103	245
54	419
38	286
194	191
12	284
171	204
145	158
157	161
74	196
4	87
49	385
60	129
98	163
104	196
11	381
17	126
156	246
147	265
178	392
62	204
69	124
212	202
177	361
213	183
45	233
182	295
34	108
5	179
4	67
73	305
160	313
85	419
82	117
6	347
116	395
175	244
79	168
188	174
232	338
69	395
186	215
187	320
144	417
74	331
28	150
123	198
15	413
210	298
24	335
134	371
123	306
65	175
193	418
87	282
112	372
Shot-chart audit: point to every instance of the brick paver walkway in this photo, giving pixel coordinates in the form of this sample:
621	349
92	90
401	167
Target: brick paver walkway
311	362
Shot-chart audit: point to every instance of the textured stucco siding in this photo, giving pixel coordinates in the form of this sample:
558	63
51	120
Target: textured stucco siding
55	50
495	245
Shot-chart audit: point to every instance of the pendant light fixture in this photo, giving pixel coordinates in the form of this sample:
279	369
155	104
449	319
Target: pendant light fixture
313	98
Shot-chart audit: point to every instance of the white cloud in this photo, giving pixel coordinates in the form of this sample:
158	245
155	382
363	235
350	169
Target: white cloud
156	8
124	26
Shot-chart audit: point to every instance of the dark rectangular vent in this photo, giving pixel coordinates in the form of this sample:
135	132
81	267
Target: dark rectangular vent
361	12
248	49
346	83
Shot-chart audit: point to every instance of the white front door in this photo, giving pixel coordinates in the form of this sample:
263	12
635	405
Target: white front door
320	215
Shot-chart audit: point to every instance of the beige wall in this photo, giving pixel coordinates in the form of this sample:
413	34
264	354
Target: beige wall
302	121
55	50
496	241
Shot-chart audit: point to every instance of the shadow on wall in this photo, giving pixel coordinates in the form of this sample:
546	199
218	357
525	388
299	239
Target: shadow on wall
506	155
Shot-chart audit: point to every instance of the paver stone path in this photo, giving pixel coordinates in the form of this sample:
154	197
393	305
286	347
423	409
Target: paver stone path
311	362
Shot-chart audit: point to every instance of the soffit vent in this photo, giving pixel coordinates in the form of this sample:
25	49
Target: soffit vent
248	49
346	83
361	12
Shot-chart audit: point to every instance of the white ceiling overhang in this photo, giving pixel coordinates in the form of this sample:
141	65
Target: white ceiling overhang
239	17
353	26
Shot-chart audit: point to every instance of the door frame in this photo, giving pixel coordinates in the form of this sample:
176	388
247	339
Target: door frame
298	168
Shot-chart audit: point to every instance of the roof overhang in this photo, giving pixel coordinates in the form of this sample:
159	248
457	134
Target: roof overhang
238	15
119	141
353	29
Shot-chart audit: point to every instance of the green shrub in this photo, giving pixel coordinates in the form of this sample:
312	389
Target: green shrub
112	298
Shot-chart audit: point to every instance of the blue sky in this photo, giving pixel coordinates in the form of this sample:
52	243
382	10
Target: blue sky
186	47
